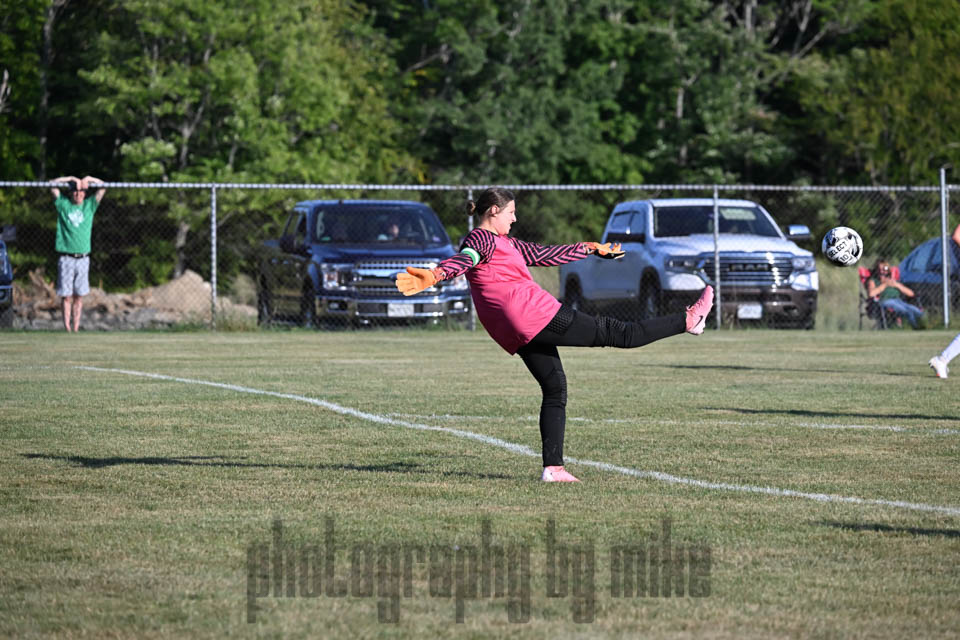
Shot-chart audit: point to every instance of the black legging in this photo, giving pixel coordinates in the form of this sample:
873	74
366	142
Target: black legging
570	328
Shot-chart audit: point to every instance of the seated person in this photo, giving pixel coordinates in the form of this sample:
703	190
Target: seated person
881	284
390	233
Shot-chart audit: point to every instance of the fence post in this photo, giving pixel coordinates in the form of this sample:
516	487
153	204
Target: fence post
716	254
945	246
213	257
472	324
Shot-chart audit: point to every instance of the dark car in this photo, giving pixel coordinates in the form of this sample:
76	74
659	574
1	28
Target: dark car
922	271
336	263
8	234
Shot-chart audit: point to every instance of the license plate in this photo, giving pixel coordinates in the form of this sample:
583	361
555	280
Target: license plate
399	310
751	311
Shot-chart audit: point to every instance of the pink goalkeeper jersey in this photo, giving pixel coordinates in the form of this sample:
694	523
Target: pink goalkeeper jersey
511	306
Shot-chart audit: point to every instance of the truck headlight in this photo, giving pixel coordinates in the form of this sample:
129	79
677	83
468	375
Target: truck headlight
803	264
457	284
332	276
684	264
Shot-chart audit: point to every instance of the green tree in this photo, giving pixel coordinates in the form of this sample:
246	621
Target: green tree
21	25
613	91
707	84
253	91
514	92
888	102
507	91
246	91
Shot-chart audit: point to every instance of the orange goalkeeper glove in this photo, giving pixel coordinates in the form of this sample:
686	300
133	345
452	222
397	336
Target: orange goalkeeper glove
608	251
416	280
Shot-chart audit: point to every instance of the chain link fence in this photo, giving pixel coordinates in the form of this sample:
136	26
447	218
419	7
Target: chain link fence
238	256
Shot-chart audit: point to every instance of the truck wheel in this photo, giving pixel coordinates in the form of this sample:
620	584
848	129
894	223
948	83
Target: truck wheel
308	308
808	323
6	318
649	300
264	307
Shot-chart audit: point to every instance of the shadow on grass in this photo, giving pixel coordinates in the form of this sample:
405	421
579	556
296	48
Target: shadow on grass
885	528
807	413
740	367
221	461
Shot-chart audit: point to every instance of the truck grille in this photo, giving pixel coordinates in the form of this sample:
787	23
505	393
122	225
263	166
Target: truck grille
749	269
377	278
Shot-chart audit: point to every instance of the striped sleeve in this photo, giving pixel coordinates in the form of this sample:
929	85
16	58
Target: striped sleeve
477	247
536	255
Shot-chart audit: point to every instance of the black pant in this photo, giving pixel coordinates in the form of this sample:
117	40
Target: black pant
571	328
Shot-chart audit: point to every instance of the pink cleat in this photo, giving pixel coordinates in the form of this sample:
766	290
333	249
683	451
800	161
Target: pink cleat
697	312
557	474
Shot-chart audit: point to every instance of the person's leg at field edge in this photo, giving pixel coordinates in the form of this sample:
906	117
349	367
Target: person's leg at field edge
77	312
73	282
67	289
72	307
939	363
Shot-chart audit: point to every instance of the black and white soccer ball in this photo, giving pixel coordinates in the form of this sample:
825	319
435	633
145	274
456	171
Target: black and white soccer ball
842	246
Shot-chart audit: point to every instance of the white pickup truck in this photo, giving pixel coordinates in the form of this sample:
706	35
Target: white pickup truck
671	251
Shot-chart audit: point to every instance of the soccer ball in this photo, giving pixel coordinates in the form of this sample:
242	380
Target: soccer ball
842	246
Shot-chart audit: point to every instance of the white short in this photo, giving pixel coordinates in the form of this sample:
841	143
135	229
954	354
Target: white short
73	276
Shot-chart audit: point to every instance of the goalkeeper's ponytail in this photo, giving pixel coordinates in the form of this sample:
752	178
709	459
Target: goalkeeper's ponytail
492	197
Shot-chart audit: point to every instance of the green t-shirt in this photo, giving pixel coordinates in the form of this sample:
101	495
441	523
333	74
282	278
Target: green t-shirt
74	224
888	293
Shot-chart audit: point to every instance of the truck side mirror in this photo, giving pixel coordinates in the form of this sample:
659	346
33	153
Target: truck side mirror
798	232
288	244
9	233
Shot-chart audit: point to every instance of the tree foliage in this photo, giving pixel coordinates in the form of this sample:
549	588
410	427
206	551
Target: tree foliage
601	91
476	92
244	91
508	91
21	26
889	105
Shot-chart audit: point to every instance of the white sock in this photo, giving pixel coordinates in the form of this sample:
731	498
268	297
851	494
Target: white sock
952	350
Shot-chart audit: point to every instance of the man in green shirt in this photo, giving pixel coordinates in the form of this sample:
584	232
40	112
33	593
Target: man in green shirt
74	224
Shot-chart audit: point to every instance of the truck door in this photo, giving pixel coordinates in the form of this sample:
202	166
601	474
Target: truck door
615	279
290	264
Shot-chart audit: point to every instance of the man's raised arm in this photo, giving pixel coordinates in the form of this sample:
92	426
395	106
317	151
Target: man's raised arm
94	183
56	190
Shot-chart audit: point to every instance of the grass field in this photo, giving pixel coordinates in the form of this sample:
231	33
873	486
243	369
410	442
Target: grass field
807	481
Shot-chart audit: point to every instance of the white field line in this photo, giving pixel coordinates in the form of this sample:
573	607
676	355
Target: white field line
527	451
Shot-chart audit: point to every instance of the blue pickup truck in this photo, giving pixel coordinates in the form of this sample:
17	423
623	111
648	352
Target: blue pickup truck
336	262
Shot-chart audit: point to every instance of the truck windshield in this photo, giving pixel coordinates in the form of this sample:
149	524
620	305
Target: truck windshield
378	225
696	219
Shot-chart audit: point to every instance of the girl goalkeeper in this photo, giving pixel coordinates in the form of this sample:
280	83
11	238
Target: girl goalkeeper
524	319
